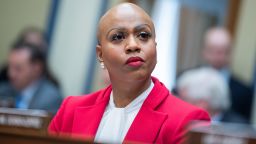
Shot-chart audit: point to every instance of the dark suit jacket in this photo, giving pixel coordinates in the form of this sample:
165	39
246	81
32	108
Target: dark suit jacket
233	117
46	97
241	97
3	74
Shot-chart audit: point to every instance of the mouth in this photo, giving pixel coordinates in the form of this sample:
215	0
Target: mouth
135	61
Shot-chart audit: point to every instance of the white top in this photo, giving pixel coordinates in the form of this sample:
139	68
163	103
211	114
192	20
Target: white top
116	122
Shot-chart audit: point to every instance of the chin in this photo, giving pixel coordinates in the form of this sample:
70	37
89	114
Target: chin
139	76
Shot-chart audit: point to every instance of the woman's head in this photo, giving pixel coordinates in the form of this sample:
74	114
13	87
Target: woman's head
127	44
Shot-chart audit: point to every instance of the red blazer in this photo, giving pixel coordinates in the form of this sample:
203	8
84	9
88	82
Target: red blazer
161	119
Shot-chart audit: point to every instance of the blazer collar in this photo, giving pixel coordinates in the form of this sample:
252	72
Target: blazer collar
148	122
157	95
87	119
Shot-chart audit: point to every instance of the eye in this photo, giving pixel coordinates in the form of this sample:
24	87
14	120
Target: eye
117	37
144	36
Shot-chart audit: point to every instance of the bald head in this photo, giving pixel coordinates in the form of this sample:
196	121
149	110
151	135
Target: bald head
123	11
217	47
218	36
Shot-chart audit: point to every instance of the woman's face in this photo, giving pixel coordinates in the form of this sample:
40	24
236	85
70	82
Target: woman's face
127	45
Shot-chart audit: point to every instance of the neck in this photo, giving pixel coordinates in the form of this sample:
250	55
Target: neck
124	92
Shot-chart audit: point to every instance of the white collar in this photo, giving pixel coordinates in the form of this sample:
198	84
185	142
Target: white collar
116	122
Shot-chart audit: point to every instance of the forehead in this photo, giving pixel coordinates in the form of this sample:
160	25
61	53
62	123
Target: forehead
126	16
218	37
19	55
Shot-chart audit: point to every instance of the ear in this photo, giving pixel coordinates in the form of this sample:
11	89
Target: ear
99	52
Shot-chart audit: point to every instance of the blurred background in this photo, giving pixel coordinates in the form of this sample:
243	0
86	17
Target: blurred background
69	29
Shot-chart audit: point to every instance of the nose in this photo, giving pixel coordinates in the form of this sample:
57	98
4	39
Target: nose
132	45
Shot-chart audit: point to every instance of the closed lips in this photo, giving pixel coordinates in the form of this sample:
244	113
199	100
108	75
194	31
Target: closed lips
134	59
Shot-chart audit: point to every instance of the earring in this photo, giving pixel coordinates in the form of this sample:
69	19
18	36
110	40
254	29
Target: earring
102	65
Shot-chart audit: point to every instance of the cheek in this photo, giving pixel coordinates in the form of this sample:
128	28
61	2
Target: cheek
27	72
151	53
112	55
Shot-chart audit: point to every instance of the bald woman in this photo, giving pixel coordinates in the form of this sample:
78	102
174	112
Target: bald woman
136	106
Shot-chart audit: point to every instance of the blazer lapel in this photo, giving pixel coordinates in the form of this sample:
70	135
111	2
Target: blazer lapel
87	119
148	122
145	126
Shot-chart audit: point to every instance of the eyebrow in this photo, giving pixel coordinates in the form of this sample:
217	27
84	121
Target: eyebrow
142	26
137	28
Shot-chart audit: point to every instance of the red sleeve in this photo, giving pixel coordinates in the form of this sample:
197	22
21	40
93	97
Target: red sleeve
182	129
56	123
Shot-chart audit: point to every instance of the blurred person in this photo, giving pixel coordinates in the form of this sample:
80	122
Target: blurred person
28	86
217	49
217	53
206	88
135	107
30	35
33	35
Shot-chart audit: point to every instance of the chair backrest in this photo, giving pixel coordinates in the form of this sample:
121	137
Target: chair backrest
222	133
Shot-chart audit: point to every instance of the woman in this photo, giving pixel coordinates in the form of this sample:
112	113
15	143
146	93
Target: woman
135	107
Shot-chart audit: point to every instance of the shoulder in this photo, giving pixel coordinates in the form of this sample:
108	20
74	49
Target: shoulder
72	102
237	88
47	86
47	92
179	115
236	83
65	114
85	100
6	90
5	86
